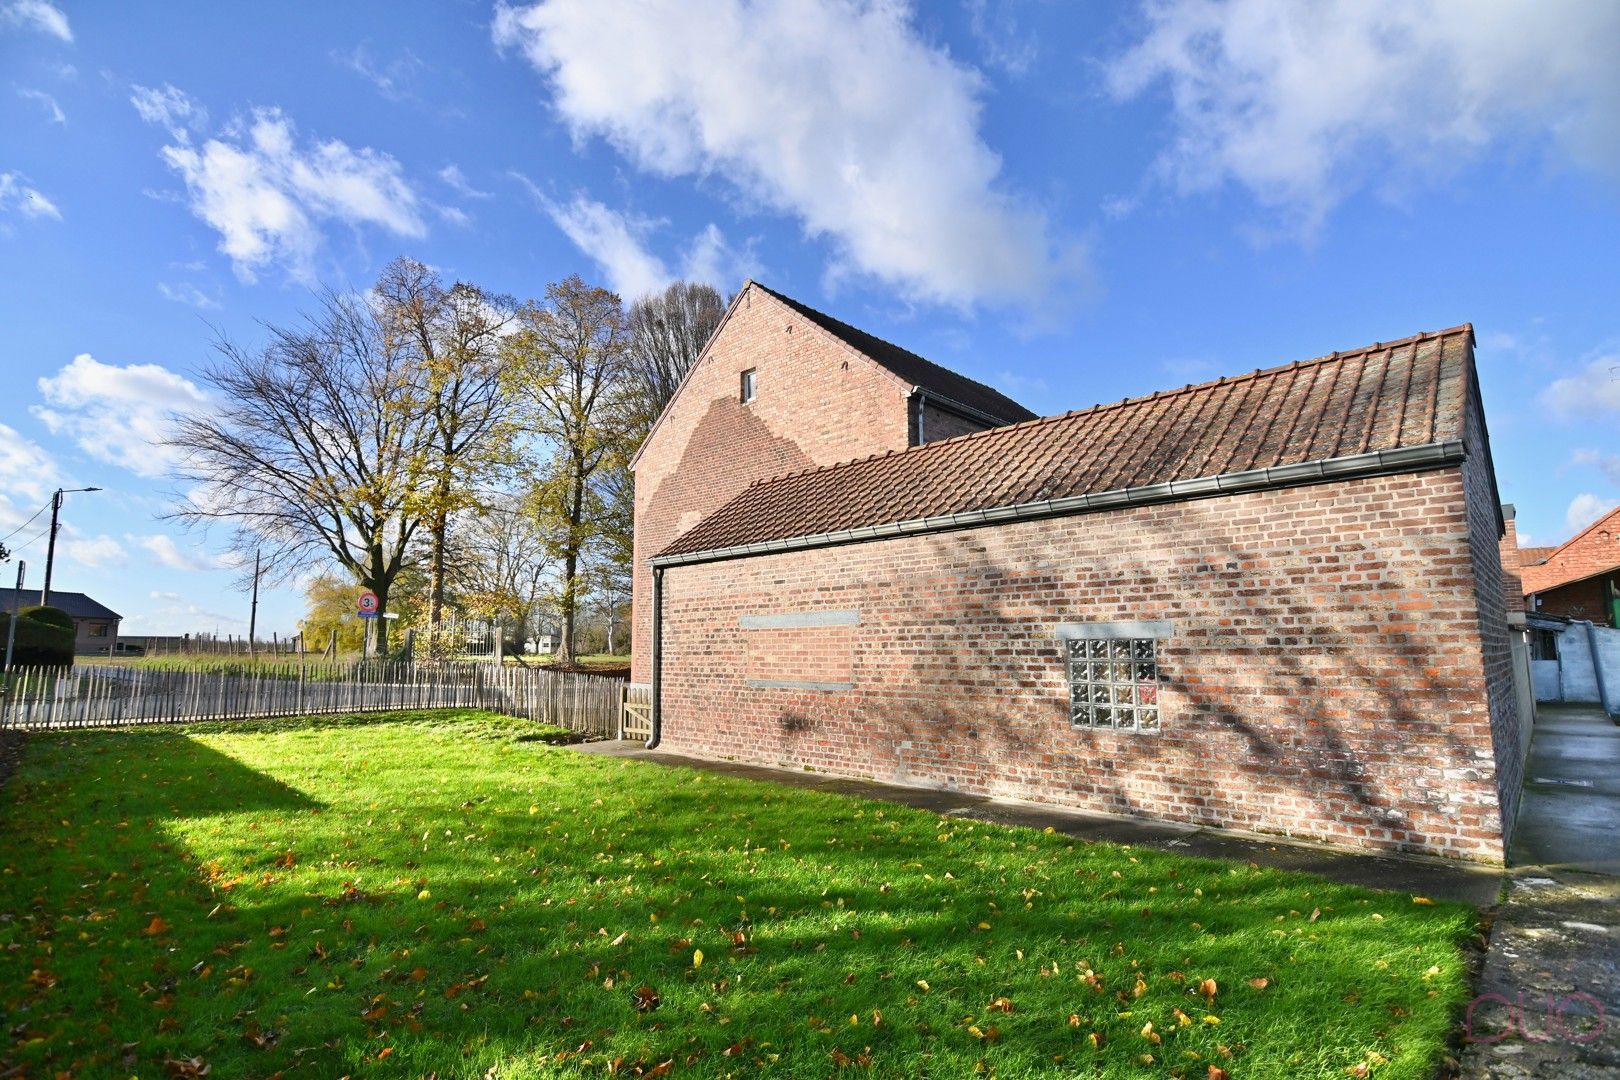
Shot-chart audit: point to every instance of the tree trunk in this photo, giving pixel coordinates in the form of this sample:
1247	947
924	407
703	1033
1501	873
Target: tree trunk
565	644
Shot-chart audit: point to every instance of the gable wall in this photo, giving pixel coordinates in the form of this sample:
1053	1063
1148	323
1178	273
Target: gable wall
1592	552
818	403
1326	675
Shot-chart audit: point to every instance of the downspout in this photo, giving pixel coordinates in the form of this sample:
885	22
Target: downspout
655	712
1597	669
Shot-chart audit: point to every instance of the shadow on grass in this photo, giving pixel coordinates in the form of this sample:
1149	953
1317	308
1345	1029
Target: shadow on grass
451	904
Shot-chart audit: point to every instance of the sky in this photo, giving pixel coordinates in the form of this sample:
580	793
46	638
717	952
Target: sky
1073	203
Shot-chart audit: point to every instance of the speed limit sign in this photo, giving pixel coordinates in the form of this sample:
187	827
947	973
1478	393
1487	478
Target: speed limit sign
367	605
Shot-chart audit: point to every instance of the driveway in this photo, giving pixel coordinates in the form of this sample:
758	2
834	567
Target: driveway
1549	1002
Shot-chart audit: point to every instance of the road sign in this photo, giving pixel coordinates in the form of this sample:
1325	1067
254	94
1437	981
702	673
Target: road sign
367	605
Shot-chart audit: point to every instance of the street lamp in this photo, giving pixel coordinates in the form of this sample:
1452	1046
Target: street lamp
50	547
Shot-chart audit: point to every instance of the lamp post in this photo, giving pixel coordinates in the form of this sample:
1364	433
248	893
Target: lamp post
50	547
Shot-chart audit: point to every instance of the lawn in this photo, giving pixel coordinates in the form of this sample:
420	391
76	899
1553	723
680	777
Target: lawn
447	895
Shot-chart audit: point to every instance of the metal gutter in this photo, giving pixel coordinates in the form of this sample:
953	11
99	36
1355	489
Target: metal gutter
1355	466
967	412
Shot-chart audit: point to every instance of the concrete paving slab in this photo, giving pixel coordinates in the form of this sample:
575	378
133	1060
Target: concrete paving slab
1435	878
1569	815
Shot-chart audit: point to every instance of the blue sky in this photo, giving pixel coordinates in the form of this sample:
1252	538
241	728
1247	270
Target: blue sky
1072	202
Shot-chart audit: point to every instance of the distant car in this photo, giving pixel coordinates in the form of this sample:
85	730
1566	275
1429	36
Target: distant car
124	648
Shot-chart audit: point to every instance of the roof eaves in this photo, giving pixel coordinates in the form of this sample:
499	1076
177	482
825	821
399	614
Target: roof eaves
1372	463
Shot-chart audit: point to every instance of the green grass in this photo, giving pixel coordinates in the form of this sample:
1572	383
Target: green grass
444	894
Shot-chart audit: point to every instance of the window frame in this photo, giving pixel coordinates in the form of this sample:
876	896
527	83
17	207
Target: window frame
749	389
1115	675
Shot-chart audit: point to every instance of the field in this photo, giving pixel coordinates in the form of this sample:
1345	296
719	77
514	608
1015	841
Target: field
448	895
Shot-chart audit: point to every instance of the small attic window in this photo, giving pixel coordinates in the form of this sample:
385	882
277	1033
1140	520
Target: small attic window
748	386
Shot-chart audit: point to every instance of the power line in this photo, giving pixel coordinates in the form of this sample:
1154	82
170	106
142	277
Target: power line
36	536
25	524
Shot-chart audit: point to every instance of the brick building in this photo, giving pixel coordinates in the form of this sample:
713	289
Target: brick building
1271	602
1579	579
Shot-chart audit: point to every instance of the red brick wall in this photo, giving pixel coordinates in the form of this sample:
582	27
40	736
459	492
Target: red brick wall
1510	558
818	402
1590	552
1588	599
1494	652
1327	676
939	424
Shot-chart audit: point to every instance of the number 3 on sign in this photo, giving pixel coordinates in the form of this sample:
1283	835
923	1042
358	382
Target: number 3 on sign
367	605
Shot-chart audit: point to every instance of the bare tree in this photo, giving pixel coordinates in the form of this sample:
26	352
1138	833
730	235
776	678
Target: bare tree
313	448
668	330
502	566
567	361
453	337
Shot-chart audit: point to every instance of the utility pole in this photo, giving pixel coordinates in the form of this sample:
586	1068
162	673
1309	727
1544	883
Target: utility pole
253	611
16	609
50	547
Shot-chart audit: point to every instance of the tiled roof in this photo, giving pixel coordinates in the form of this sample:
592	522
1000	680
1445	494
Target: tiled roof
1576	559
75	604
1402	394
913	368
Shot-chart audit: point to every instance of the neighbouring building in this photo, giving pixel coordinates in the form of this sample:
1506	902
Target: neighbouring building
1579	579
95	626
1270	602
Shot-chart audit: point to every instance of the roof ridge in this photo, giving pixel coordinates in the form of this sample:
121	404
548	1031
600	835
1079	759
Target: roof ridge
1601	519
1226	380
850	330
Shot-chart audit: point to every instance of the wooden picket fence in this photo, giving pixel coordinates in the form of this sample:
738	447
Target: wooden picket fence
93	696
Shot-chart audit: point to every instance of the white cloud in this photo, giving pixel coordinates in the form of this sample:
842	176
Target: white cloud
1584	509
1607	464
392	79
163	548
37	15
1305	103
268	195
832	111
171	107
26	469
91	552
457	181
187	293
116	414
1593	390
617	242
46	102
16	196
1004	42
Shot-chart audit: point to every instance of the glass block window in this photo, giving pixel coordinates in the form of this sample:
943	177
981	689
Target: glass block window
1113	682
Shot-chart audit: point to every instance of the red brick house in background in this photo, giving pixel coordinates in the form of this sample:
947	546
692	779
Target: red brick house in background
1271	602
1579	579
781	387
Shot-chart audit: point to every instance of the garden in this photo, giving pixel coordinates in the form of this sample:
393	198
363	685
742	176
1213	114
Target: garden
449	894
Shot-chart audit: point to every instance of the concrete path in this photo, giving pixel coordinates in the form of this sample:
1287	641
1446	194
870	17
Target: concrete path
1570	814
1434	878
1549	1003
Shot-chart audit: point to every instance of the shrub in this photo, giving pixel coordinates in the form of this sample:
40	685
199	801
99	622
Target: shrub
44	637
49	616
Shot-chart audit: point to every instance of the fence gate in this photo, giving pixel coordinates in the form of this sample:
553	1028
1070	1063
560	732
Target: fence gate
635	712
